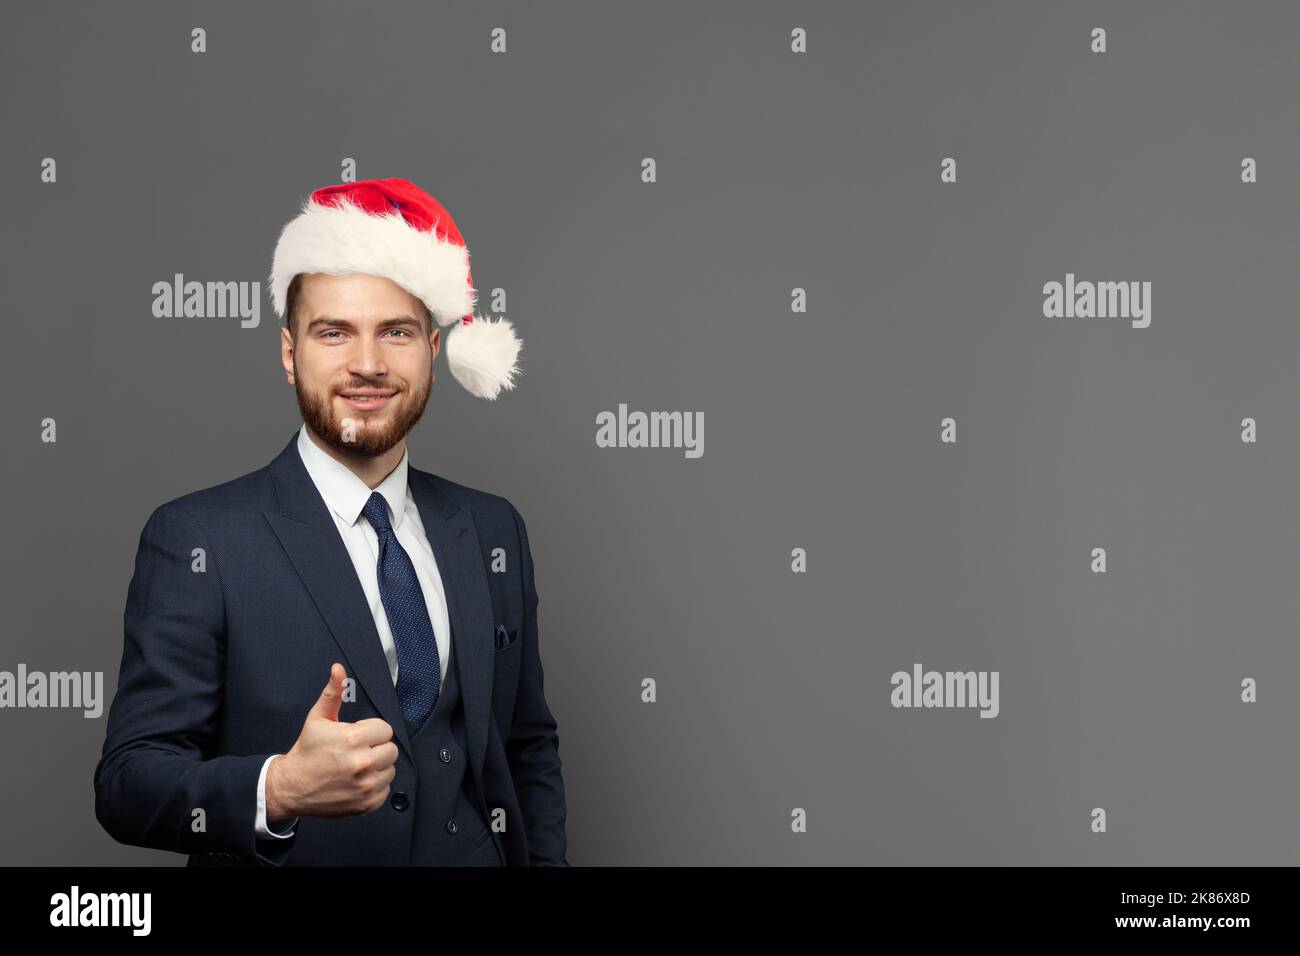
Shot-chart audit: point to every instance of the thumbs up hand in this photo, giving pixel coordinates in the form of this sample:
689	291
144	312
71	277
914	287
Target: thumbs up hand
335	768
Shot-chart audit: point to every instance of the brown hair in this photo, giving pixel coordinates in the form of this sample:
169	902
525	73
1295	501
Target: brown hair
291	302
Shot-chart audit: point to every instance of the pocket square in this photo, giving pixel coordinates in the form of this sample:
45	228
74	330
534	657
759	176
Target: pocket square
504	638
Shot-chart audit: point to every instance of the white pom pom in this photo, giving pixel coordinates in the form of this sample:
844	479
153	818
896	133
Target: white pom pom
482	355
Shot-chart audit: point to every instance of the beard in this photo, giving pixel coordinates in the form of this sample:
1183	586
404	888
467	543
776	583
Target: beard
371	437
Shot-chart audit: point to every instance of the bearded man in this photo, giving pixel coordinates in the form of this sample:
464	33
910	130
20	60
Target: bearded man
334	660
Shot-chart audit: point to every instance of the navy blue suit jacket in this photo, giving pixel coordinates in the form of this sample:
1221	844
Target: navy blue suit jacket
227	649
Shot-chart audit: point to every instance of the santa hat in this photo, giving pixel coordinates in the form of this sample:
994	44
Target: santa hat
394	229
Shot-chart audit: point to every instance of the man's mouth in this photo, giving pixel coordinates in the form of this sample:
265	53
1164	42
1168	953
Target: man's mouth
366	399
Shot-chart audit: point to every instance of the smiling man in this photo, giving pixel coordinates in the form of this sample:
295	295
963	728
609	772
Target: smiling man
334	660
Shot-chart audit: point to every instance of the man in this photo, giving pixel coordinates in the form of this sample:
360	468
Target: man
334	660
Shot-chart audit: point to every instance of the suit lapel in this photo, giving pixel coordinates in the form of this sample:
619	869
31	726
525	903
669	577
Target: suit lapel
453	537
310	538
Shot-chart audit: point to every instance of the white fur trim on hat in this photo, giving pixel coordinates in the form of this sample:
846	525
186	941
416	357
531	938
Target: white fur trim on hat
345	239
482	355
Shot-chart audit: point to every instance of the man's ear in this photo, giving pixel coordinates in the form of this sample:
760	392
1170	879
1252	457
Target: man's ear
286	351
435	340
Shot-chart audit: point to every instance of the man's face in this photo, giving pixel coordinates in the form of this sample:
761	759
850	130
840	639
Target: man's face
361	361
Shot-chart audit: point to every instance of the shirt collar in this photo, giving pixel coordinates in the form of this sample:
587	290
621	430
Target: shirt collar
343	491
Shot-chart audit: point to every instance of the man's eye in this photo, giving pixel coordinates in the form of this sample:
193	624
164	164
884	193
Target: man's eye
335	332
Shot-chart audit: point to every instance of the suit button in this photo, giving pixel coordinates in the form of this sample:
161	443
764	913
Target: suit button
451	826
445	754
399	801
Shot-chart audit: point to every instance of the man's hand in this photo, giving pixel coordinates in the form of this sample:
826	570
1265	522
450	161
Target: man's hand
335	769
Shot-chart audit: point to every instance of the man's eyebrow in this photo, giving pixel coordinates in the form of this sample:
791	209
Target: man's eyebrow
332	322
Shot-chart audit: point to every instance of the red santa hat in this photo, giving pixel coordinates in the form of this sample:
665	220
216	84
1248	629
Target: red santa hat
394	229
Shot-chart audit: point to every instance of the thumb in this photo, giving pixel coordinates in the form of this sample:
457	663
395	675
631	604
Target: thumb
331	698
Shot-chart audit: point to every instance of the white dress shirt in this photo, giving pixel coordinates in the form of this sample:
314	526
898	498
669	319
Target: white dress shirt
345	495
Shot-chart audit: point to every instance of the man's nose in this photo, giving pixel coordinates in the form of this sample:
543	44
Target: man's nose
366	359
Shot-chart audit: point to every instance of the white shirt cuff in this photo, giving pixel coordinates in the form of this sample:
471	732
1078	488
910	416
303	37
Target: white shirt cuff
263	830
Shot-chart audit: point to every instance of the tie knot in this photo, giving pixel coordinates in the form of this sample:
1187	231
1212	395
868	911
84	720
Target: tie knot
376	512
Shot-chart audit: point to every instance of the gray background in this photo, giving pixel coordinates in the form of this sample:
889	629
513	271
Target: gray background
821	430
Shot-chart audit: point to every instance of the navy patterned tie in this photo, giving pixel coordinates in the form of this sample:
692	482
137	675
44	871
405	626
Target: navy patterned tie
419	671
